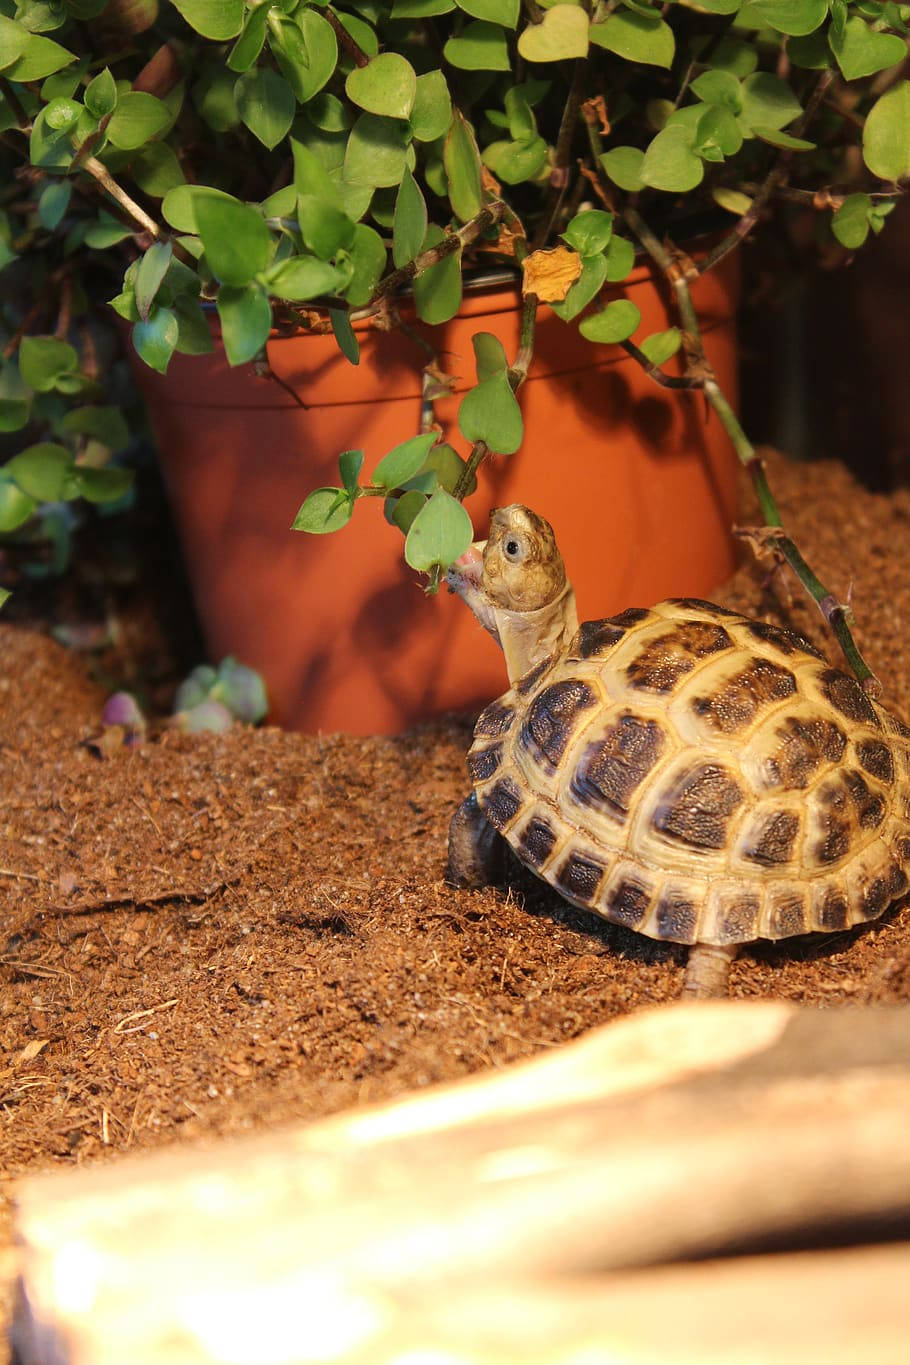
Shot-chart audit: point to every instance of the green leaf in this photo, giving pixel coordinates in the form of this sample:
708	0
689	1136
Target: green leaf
213	95
106	425
50	141
563	33
796	17
106	231
490	412
432	111
300	278
410	222
515	162
323	511
350	463
386	85
311	176
195	336
155	339
612	324
719	87
266	104
53	203
404	461
325	229
178	206
670	164
157	170
152	270
489	355
102	485
886	135
138	119
811	52
15	506
421	9
593	276
660	346
101	94
246	320
37	57
42	471
401	511
589	231
437	292
734	201
368	257
218	19
479	47
861	51
43	360
623	165
252	37
439	534
364	34
377	151
306	52
15	398
237	242
5	595
850	223
503	12
620	259
345	335
768	102
718	134
776	138
462	162
448	466
636	37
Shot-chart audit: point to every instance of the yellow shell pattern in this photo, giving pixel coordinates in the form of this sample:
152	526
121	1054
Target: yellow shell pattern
700	777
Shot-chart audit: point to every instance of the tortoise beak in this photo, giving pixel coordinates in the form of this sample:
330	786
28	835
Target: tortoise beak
467	571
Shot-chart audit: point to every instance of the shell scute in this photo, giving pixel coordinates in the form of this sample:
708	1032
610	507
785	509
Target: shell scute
695	807
614	765
552	717
735	704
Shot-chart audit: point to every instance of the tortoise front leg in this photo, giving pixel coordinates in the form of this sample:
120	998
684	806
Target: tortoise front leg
476	850
708	971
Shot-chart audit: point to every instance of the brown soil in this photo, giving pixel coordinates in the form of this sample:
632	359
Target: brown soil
207	935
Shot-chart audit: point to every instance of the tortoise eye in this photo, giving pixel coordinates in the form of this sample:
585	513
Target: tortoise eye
512	549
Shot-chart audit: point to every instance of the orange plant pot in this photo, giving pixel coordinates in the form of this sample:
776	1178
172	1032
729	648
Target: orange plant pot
639	487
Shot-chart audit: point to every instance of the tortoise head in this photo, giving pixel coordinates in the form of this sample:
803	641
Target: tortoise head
515	583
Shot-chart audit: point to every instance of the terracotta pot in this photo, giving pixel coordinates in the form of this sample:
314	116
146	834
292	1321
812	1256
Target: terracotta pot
638	486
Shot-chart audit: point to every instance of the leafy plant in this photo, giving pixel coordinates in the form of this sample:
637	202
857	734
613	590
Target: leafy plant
297	164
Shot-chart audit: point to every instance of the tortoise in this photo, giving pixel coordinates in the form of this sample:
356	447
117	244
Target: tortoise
695	775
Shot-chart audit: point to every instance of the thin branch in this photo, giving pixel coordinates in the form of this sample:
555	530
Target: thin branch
668	381
489	214
353	48
559	176
100	173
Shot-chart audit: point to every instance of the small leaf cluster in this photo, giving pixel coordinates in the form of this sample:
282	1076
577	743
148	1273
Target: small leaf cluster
213	698
76	464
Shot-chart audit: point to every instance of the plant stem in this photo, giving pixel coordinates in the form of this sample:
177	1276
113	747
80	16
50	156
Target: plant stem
670	262
517	374
100	173
347	42
489	214
559	176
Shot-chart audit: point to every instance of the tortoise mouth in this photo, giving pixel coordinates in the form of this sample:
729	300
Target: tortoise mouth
467	571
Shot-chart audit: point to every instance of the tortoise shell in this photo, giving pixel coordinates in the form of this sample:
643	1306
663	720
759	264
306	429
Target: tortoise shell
700	777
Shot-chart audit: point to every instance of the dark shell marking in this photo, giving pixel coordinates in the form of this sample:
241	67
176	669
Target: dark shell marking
870	808
670	656
804	746
580	876
833	912
847	696
596	638
536	842
697	806
699	604
550	725
875	758
482	763
737	702
628	903
770	840
495	720
612	768
676	918
787	641
739	920
529	680
502	803
788	917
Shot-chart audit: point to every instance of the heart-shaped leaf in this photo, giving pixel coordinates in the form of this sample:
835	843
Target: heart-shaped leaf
850	223
266	104
886	134
637	37
306	51
489	412
623	166
42	361
410	222
660	346
246	319
156	339
217	19
377	151
437	292
138	118
593	276
562	33
479	47
612	324
768	102
861	51
432	111
503	12
386	85
300	278
589	231
489	355
439	534
795	17
152	270
326	509
237	241
670	164
404	461
367	256
42	471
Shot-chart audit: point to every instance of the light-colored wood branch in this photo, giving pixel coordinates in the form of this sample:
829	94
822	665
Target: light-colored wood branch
516	1216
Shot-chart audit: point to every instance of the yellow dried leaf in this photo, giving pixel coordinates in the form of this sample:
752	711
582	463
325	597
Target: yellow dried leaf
551	274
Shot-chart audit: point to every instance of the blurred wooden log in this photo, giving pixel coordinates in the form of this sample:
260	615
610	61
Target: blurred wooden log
455	1220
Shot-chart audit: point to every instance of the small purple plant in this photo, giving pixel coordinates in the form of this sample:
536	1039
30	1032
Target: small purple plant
122	708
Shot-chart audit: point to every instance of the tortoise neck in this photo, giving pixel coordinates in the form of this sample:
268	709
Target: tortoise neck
530	637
